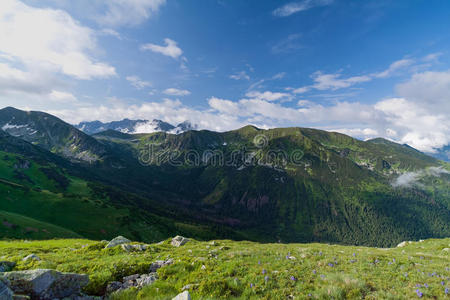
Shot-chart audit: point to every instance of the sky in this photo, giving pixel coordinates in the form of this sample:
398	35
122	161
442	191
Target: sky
364	68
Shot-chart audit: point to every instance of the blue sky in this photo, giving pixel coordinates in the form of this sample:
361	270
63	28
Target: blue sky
364	68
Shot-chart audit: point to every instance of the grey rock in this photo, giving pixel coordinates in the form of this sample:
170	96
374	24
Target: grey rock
189	286
130	247
179	241
46	284
160	263
6	266
117	241
146	279
183	296
113	286
5	292
402	244
31	257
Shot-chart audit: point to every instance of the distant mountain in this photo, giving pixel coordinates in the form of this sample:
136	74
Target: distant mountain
135	126
51	133
442	153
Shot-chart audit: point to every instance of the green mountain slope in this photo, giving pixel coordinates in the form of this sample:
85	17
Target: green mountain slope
51	133
284	184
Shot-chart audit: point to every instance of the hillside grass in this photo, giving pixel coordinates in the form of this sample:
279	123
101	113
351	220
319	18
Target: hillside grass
247	270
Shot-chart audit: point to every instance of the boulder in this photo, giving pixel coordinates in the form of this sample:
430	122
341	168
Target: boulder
130	247
117	241
31	257
46	284
113	286
179	241
6	266
160	263
183	296
5	292
402	244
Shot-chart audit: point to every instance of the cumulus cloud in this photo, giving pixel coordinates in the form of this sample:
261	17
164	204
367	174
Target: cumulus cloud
176	92
128	12
171	48
295	7
137	82
29	35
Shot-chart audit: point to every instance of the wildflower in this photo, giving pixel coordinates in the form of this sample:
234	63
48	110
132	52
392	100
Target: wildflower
419	293
446	291
322	276
442	283
406	274
293	278
314	272
266	278
418	285
264	271
259	262
320	253
330	264
251	285
425	285
354	254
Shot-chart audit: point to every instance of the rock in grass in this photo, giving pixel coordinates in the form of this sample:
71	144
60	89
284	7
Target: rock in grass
5	292
183	296
160	263
117	241
31	257
130	248
179	241
402	244
6	266
46	284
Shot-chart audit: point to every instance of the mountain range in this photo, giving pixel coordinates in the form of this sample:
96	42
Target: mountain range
283	184
135	126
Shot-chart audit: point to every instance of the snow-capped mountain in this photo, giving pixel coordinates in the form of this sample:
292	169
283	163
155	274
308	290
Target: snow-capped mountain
135	126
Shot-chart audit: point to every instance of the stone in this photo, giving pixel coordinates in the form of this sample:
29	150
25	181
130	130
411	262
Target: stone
6	266
31	257
179	241
446	249
130	247
113	287
160	263
146	279
189	286
183	296
46	284
117	241
5	292
402	244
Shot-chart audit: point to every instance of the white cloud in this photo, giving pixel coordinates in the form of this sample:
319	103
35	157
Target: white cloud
62	97
176	92
334	81
268	95
171	49
410	179
399	64
110	32
295	7
128	12
48	40
137	82
240	75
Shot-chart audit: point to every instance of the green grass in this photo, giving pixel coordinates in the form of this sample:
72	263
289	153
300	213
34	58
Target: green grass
237	270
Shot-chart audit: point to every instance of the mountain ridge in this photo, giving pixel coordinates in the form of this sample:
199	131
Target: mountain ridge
288	184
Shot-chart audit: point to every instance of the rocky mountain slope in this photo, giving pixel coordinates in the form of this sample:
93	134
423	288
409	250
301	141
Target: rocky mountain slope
284	184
